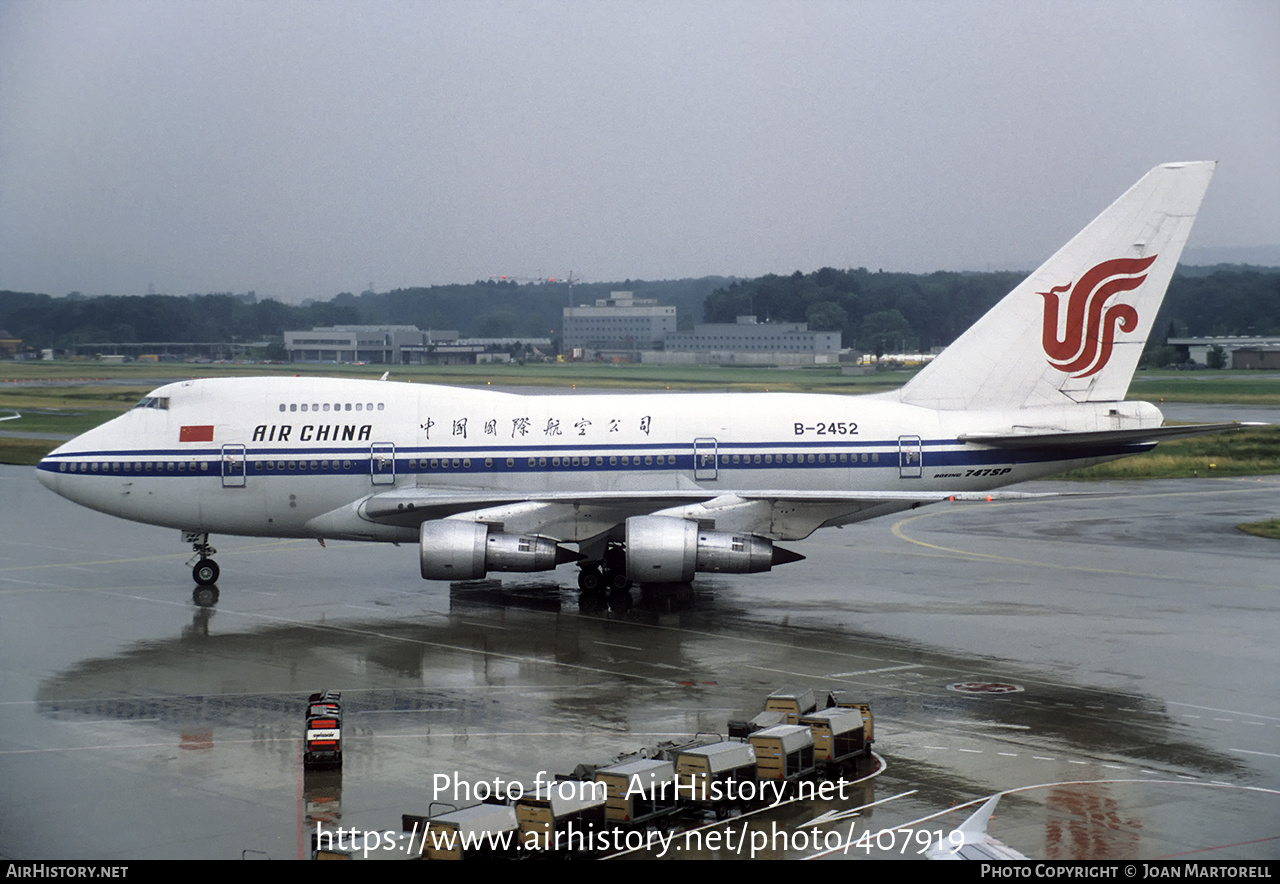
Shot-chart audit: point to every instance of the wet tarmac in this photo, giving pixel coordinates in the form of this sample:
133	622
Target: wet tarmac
1110	659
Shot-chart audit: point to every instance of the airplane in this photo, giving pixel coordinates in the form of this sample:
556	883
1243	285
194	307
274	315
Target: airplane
655	488
971	841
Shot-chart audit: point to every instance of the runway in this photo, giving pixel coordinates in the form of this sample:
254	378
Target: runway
1122	643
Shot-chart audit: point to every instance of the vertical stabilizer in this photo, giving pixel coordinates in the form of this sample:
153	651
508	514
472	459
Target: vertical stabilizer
1073	330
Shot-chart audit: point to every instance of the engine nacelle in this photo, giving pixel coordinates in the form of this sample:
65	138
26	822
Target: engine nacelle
451	549
662	549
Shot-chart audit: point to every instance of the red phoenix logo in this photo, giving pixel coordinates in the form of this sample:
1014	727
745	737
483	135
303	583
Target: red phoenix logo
1084	345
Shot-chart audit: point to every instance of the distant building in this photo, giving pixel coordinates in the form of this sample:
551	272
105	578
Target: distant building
620	322
361	343
1241	351
749	336
1256	357
9	344
473	351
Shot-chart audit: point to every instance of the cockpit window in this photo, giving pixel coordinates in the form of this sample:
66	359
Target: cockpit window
160	402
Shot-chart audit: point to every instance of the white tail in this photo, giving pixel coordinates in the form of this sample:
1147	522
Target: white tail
1073	330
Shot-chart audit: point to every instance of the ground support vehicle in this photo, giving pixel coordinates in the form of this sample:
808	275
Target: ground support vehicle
708	776
792	703
641	792
483	831
839	739
846	700
322	739
783	752
559	818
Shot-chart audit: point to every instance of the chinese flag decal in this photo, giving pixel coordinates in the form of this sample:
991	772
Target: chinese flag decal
196	434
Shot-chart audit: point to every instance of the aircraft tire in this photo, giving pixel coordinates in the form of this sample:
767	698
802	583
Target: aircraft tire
616	581
589	580
206	572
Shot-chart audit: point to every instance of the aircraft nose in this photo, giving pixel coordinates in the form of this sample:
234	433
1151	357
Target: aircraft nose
46	472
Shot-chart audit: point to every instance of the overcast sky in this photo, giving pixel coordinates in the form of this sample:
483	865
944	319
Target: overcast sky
301	149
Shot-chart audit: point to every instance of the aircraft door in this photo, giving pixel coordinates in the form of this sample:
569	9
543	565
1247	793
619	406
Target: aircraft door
233	471
382	463
705	462
910	461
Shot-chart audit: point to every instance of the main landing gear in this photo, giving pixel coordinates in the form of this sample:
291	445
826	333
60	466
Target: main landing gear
609	574
206	569
592	579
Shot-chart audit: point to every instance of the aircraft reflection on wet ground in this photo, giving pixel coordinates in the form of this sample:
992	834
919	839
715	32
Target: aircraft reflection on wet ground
1120	680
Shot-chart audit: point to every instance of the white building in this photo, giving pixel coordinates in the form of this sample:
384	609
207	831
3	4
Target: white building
749	336
618	322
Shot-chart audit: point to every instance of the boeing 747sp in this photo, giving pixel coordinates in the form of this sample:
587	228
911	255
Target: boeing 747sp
658	487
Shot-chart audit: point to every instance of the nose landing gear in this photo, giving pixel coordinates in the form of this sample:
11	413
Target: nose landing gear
205	572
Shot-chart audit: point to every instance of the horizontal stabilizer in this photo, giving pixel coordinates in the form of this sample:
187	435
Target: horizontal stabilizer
1100	437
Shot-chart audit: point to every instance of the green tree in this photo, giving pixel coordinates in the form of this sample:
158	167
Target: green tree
886	330
1216	357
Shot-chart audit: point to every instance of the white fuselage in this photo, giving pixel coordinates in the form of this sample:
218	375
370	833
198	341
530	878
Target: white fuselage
295	457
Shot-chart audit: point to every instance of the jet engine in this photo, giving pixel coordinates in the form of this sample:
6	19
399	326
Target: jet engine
450	549
662	549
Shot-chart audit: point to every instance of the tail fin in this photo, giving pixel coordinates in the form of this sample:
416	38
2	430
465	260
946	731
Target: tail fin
1074	329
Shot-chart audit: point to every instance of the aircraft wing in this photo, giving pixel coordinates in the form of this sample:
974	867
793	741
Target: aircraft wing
1099	437
574	516
10	417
